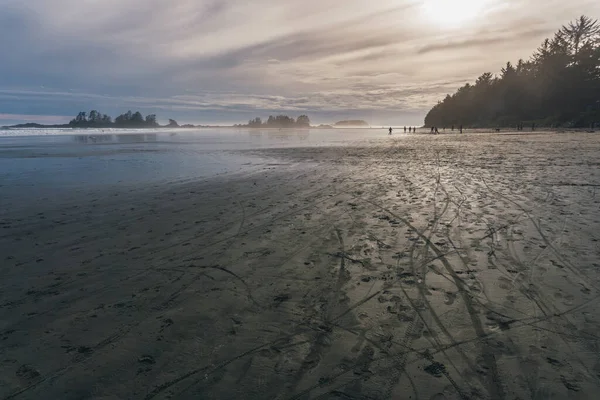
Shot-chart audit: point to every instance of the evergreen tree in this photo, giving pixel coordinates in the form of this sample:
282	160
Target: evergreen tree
303	120
559	85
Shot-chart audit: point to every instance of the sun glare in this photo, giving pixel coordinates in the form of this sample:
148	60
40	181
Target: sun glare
449	13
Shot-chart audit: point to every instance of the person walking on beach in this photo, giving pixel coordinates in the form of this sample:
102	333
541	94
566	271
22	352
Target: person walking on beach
390	130
461	129
404	128
436	130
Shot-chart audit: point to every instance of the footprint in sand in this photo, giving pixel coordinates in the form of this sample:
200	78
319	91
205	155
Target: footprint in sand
436	369
438	396
27	373
505	283
449	298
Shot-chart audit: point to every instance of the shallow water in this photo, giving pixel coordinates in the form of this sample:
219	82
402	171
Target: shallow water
58	160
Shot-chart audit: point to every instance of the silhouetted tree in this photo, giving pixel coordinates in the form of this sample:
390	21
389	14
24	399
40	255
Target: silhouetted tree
94	117
137	119
303	120
559	85
151	120
127	120
280	121
582	32
80	119
123	119
255	123
172	124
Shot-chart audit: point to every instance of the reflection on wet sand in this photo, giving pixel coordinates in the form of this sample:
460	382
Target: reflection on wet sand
93	138
121	138
281	134
135	138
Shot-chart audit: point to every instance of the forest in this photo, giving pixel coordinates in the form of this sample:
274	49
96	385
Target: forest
280	121
129	119
559	86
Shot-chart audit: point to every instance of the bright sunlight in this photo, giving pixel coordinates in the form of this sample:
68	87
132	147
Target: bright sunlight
454	13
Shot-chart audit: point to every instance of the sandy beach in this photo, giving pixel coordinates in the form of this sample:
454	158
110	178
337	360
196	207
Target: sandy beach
414	267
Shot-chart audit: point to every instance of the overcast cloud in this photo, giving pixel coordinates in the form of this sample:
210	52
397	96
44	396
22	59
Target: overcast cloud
208	61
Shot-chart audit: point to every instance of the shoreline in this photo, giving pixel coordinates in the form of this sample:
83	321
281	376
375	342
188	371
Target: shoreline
422	130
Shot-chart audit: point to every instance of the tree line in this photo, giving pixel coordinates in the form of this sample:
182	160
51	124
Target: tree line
558	86
280	121
95	119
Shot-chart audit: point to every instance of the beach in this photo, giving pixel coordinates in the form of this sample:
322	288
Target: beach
372	267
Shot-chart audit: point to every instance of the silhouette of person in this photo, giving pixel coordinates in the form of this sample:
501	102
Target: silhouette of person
390	130
436	130
405	129
461	129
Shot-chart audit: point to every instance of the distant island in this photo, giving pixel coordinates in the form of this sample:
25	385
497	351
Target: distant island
32	125
280	121
135	120
559	86
357	122
95	119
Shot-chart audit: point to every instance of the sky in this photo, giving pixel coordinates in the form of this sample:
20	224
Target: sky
222	62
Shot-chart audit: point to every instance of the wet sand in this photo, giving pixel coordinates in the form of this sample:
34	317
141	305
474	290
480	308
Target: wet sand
423	267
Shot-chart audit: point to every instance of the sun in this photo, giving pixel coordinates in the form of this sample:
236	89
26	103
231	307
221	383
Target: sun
455	13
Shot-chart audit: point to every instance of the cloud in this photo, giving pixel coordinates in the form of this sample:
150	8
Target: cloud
41	119
482	41
218	57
